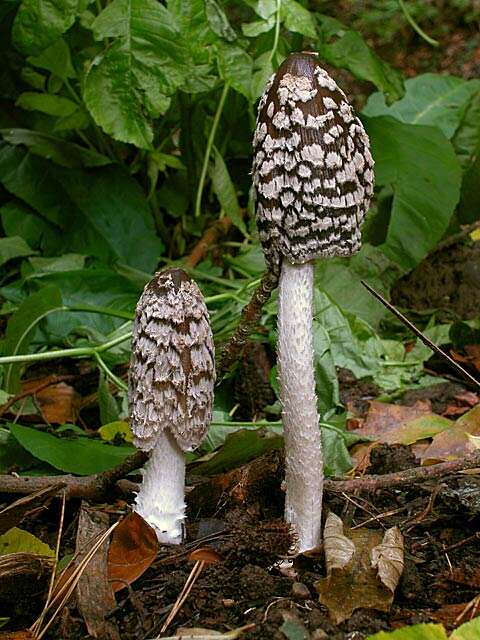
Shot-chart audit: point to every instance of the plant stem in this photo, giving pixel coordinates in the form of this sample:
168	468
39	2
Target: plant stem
277	31
66	353
109	373
415	26
208	150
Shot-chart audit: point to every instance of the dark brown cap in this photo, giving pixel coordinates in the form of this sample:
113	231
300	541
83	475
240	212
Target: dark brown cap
172	368
312	168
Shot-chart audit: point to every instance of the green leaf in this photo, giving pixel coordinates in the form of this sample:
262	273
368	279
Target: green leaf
467	145
254	29
430	99
65	262
468	631
225	191
19	220
55	59
337	460
218	21
21	328
46	103
17	540
39	23
106	403
155	51
262	71
326	381
113	429
420	164
33	78
13	247
12	455
66	154
83	456
103	214
239	448
416	632
345	48
298	19
235	66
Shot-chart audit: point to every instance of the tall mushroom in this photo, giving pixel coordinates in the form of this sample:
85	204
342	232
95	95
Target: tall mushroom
171	380
313	178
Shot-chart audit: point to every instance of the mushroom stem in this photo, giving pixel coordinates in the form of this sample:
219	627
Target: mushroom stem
303	445
160	500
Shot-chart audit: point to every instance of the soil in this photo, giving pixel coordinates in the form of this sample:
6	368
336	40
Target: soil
442	559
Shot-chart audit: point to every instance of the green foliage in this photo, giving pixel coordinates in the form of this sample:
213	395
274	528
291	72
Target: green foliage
79	455
126	133
467	631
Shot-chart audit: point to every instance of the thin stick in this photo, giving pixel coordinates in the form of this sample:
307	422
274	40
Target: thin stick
194	573
420	335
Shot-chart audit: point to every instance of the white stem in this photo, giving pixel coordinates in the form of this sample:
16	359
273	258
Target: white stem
160	500
303	446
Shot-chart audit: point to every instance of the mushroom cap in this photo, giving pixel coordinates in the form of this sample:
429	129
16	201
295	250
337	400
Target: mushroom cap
312	167
172	367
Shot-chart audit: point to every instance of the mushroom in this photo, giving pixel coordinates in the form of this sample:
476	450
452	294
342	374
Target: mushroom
171	380
313	179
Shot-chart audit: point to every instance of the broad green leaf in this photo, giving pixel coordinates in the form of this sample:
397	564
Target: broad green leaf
33	78
46	103
83	456
430	99
341	280
225	191
17	540
13	455
467	146
325	373
155	51
416	632
39	23
13	247
66	154
21	328
337	460
106	403
345	48
239	448
65	262
264	8
468	631
298	19
262	70
218	21
103	214
20	220
55	59
254	29
420	164
235	66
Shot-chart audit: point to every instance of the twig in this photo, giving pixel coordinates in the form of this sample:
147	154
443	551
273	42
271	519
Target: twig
420	335
94	487
209	238
403	478
250	317
453	239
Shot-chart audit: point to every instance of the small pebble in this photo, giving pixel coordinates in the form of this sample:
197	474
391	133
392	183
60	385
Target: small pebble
318	634
300	591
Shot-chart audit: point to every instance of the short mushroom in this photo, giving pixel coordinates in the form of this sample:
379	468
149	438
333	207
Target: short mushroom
171	380
313	178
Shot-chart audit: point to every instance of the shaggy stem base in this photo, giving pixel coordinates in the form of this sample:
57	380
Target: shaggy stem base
161	500
303	446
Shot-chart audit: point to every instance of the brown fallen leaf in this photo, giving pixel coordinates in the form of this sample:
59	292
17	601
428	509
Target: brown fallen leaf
17	635
57	403
133	548
397	424
363	569
454	443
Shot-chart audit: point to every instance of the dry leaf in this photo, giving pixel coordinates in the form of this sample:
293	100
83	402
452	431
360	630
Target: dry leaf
17	635
396	424
387	558
362	569
133	548
455	443
27	506
58	403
